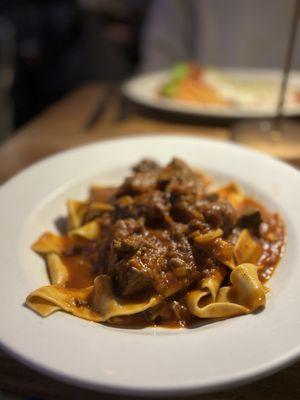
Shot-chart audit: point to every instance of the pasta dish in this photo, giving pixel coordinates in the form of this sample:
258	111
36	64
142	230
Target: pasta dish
224	88
187	83
164	248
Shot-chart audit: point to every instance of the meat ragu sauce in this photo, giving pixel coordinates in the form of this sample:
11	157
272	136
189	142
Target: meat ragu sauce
148	240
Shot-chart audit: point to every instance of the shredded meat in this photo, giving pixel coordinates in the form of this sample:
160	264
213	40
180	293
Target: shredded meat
218	214
148	245
156	259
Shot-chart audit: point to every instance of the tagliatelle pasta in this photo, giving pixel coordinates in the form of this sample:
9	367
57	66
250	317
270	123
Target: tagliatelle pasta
163	248
244	295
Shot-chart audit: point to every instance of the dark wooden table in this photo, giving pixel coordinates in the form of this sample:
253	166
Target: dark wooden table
61	127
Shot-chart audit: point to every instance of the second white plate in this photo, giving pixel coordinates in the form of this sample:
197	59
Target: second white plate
144	89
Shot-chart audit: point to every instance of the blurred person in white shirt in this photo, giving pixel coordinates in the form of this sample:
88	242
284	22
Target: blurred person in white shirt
222	33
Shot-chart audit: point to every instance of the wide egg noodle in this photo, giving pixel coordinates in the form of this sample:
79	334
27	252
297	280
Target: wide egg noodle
229	263
246	249
244	296
107	305
212	283
58	271
203	238
212	242
104	304
76	212
49	299
246	288
97	208
89	231
100	206
51	243
209	288
233	193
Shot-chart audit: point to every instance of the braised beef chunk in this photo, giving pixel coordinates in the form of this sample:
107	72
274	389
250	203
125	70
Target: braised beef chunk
126	228
143	180
140	182
183	187
178	179
152	206
250	218
146	165
218	214
150	246
151	259
126	239
184	208
129	280
198	225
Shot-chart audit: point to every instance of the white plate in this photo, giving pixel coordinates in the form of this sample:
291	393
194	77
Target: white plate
144	89
152	361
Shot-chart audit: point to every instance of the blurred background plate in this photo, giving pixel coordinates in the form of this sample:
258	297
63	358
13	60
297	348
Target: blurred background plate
252	92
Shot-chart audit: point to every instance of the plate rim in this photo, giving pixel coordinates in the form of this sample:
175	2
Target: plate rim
150	391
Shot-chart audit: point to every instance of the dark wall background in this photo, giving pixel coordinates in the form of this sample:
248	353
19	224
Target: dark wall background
59	44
